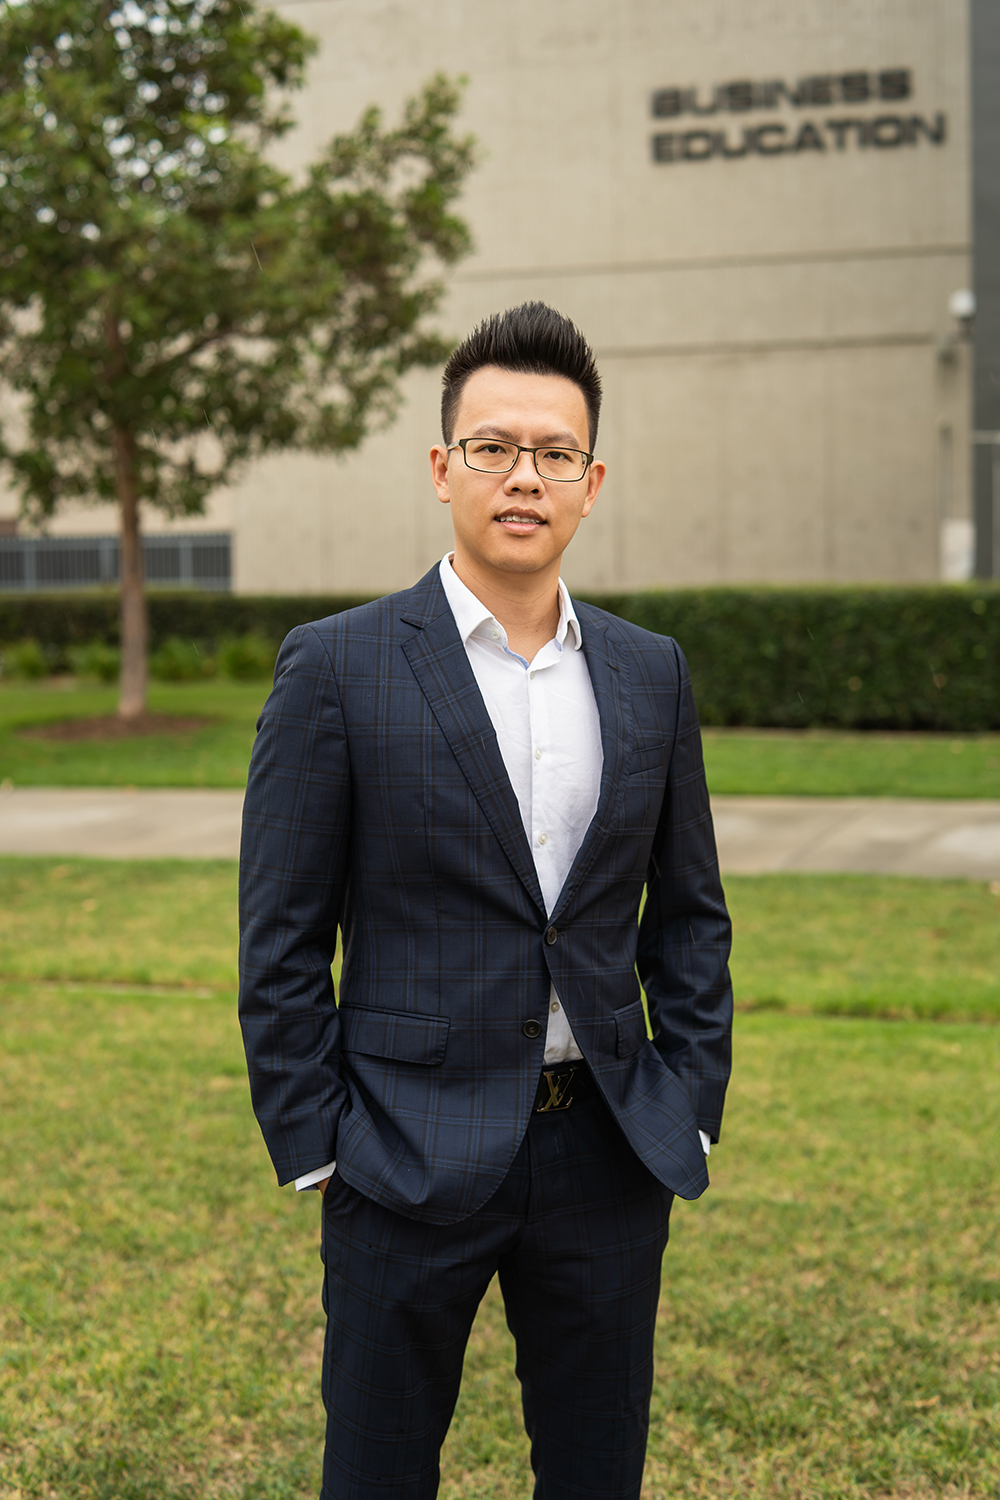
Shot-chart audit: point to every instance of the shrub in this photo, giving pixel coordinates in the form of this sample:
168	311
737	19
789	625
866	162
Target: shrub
180	661
192	615
847	658
95	659
26	658
921	657
246	657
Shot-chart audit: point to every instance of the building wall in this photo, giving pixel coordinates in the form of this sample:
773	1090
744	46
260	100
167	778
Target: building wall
770	327
985	112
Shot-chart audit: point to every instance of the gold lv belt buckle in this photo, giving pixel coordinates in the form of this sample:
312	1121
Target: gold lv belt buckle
559	1095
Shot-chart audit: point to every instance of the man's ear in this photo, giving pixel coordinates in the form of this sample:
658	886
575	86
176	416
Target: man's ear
595	478
439	472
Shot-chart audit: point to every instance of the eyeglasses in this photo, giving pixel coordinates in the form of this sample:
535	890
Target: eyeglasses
490	456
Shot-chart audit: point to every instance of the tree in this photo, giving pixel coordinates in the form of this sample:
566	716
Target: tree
171	304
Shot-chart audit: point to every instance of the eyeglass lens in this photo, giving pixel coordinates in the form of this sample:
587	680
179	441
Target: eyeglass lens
493	457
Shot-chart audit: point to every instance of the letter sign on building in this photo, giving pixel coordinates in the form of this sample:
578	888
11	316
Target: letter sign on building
777	137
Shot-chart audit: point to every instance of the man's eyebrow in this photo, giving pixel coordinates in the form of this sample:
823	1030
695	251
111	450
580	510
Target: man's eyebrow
490	429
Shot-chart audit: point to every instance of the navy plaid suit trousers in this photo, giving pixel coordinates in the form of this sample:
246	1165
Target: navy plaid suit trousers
576	1232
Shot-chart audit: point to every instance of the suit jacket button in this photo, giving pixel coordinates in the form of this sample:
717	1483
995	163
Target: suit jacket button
551	936
532	1028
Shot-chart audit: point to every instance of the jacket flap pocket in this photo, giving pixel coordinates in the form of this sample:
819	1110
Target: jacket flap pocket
647	757
631	1024
403	1036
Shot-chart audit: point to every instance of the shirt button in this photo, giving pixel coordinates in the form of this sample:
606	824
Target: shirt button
495	634
550	936
538	755
554	1006
532	1029
531	674
543	838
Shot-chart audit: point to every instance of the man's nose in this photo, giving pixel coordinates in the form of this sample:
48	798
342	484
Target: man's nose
523	476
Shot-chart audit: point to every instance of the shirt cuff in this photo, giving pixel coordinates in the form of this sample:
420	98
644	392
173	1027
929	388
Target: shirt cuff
705	1141
312	1179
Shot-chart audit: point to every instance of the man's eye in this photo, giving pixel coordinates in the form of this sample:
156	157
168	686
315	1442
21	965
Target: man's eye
558	455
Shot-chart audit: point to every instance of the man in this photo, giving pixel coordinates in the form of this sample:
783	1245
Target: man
475	780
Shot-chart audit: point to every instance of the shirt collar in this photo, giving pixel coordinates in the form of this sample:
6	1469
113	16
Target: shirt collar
470	613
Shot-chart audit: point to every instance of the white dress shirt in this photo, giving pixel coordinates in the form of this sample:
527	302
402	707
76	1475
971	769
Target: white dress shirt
549	732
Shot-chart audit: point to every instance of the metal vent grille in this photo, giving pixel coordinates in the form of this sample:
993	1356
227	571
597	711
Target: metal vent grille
202	561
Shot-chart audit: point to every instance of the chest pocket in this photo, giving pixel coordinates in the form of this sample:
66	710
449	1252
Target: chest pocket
648	758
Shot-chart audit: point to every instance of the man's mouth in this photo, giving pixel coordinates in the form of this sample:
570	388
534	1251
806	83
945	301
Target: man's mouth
523	520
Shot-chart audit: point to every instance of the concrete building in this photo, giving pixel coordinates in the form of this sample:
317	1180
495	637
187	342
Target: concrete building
759	215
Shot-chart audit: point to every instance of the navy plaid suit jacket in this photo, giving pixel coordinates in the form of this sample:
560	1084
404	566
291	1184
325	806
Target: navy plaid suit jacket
378	802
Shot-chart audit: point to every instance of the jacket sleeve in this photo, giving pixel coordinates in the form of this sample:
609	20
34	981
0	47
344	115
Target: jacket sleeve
684	933
293	864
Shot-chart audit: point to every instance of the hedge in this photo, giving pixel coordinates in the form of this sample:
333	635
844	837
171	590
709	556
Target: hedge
63	620
923	657
848	658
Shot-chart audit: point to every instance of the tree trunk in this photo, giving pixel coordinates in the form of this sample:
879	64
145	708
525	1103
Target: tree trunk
134	621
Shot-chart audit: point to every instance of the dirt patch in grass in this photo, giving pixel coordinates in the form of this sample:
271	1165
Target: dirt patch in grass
111	727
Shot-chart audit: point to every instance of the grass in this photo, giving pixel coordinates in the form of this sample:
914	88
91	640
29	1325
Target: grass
831	1309
820	763
815	763
123	922
866	945
216	755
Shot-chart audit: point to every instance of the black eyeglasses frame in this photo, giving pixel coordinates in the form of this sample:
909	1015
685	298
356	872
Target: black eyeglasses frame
549	478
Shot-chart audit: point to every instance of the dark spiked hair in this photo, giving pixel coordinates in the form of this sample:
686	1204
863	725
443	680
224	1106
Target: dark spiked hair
532	339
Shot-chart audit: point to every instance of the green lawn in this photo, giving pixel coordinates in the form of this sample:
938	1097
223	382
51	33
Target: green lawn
810	764
831	1309
131	922
868	945
832	944
820	763
216	755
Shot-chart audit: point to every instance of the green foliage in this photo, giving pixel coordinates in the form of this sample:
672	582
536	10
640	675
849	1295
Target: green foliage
924	657
180	661
174	305
95	659
243	658
857	658
26	658
63	620
247	658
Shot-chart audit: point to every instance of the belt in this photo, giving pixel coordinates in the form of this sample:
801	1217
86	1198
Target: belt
562	1086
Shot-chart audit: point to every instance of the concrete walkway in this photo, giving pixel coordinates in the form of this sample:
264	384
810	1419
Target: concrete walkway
874	835
120	824
879	835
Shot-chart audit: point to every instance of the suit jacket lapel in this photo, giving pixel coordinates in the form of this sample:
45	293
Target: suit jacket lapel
439	662
609	679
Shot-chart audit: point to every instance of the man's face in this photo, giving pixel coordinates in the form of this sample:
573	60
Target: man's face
515	522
